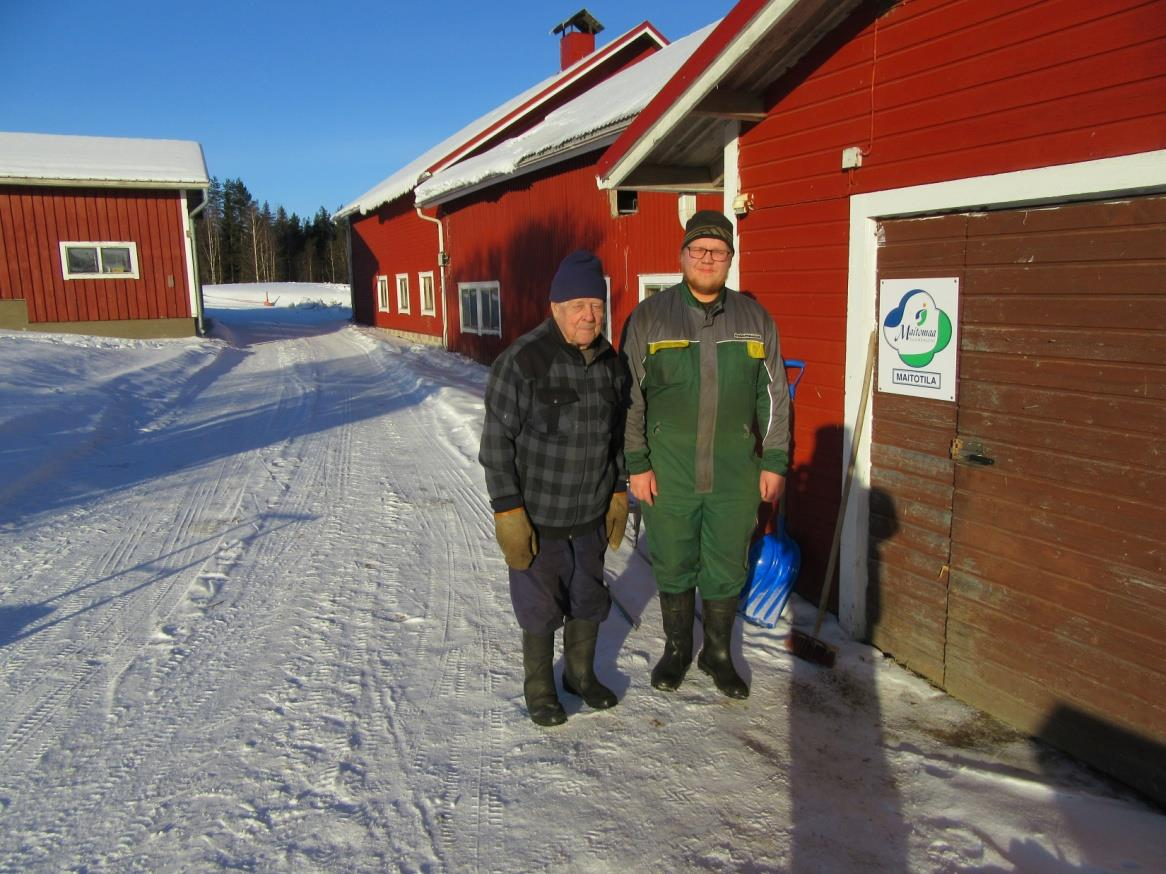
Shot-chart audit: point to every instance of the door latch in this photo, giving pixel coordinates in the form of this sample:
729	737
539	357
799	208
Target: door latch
970	452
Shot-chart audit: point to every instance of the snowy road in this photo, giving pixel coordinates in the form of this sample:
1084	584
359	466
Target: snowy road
252	617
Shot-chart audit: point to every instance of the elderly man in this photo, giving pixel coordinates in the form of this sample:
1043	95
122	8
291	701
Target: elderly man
706	440
552	449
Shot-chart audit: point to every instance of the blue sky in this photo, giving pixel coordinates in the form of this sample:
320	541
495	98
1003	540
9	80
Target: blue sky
310	103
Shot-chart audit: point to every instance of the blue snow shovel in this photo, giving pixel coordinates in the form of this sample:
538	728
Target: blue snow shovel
774	560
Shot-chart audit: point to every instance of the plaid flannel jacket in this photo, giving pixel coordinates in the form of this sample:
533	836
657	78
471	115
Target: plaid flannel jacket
553	435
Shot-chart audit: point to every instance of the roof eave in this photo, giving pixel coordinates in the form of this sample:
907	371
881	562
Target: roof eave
692	105
76	182
526	166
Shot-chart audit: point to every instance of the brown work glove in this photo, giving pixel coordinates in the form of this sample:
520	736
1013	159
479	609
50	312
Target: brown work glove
516	537
617	519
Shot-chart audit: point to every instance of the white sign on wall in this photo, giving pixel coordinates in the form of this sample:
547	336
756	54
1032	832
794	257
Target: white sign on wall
918	337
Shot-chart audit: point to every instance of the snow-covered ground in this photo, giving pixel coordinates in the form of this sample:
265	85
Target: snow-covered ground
252	616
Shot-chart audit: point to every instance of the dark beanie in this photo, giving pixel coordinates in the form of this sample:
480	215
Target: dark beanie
580	275
709	223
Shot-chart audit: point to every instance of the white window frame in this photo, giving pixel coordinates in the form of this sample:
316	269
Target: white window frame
132	273
403	293
384	305
665	280
430	310
482	291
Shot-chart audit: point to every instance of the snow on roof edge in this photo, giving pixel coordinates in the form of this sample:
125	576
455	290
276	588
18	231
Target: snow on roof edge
35	158
408	177
590	117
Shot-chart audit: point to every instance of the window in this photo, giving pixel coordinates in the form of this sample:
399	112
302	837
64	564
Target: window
402	292
650	283
428	304
383	294
624	202
99	260
481	310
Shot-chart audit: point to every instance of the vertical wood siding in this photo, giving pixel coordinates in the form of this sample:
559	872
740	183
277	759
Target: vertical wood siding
386	242
34	221
515	233
932	90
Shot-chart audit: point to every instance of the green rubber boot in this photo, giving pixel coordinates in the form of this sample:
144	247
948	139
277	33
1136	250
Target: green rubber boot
677	611
716	660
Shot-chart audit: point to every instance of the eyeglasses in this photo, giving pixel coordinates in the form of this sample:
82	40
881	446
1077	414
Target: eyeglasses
698	252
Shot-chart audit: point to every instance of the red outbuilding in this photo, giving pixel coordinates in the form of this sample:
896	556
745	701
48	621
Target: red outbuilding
96	235
1001	167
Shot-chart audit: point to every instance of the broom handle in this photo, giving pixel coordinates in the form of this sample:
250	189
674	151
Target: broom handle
828	583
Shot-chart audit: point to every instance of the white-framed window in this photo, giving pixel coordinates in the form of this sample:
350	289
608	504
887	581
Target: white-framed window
402	292
383	303
428	299
650	283
481	309
90	260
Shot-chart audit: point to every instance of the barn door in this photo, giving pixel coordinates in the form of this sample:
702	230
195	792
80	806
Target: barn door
912	477
1055	593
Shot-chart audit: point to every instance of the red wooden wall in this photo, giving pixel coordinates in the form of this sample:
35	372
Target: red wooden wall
386	242
932	90
394	240
517	233
34	220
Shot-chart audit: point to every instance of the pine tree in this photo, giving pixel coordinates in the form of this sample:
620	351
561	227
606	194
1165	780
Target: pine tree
241	241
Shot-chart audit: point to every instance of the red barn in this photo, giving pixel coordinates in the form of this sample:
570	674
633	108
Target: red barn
400	254
96	235
513	212
1004	534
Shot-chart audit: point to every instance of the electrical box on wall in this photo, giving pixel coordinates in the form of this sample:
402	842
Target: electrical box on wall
851	158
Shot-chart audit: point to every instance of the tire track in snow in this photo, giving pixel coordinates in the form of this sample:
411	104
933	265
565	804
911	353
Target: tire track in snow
327	732
67	695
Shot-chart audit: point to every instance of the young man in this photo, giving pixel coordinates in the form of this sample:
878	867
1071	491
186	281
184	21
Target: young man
707	380
552	448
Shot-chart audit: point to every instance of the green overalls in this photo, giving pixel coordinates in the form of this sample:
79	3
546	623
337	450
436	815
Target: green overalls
708	392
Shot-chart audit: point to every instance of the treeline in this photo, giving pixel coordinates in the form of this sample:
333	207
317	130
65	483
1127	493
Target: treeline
241	240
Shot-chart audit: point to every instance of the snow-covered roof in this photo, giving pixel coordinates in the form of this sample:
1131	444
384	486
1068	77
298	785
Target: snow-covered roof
44	159
407	178
587	121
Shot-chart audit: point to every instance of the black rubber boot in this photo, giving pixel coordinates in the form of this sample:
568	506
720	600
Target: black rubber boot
716	660
538	661
677	612
579	665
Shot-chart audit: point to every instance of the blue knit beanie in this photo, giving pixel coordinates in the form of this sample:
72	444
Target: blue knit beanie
580	275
